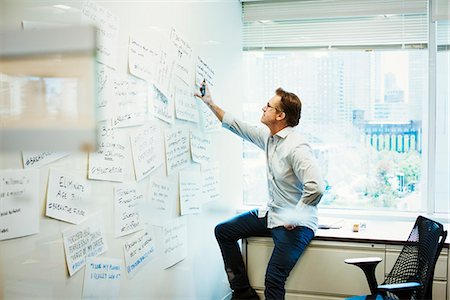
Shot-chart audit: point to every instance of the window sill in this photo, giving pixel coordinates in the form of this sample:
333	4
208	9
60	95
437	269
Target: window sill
363	215
381	215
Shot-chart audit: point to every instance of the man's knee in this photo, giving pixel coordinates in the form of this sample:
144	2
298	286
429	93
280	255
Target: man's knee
220	231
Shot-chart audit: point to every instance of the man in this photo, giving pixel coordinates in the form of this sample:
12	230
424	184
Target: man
295	188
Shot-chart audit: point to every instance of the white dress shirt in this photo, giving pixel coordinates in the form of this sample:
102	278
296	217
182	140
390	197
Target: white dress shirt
294	180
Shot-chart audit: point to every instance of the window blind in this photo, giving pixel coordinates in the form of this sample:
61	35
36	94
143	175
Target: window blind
443	35
335	23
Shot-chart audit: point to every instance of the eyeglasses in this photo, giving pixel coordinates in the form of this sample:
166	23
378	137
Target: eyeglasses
270	106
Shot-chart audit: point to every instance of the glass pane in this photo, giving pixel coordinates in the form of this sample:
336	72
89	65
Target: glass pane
362	113
47	90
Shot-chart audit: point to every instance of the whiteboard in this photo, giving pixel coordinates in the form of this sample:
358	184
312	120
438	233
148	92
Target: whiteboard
36	264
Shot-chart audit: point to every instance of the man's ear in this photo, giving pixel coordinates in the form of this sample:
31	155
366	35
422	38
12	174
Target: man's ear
281	116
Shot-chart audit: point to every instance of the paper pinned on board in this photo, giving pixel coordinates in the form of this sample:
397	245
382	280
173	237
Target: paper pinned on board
84	240
174	242
190	185
102	278
19	199
128	201
177	149
67	197
138	251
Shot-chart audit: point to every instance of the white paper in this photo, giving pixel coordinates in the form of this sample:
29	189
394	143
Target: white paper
162	196
204	71
138	251
102	278
209	119
82	241
174	242
128	199
183	63
39	159
143	58
108	162
177	149
211	182
200	148
147	146
67	197
186	106
163	106
130	101
167	57
105	78
190	192
19	200
107	26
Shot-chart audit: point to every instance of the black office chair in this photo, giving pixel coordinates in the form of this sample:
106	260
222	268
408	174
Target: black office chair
411	276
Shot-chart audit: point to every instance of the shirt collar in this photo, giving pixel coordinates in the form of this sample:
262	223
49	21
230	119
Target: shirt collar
283	133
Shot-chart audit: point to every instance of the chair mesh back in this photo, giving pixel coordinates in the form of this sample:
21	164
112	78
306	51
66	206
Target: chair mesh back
419	255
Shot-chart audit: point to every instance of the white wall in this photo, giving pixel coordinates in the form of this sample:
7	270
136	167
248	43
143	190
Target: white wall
34	266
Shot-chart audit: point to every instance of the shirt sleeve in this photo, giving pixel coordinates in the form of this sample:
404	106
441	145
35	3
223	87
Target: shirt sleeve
253	134
307	171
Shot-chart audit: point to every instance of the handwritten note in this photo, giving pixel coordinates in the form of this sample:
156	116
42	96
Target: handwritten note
190	192
138	250
102	278
143	58
200	148
107	25
82	241
165	68
204	72
183	62
177	149
147	146
127	201
39	159
130	101
174	242
163	106
185	102
104	79
162	196
109	160
209	119
211	182
19	200
67	197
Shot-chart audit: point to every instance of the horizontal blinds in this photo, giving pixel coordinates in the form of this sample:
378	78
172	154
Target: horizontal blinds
320	9
334	23
443	34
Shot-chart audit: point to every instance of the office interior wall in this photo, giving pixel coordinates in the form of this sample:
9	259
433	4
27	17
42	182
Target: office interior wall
35	266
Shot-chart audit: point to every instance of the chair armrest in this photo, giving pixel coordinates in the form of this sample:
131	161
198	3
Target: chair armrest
399	286
363	260
368	265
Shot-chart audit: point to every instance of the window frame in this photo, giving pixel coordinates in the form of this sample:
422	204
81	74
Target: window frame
428	195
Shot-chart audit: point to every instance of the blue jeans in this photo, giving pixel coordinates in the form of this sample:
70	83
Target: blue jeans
289	246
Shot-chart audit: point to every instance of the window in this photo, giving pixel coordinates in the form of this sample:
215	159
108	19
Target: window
365	98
